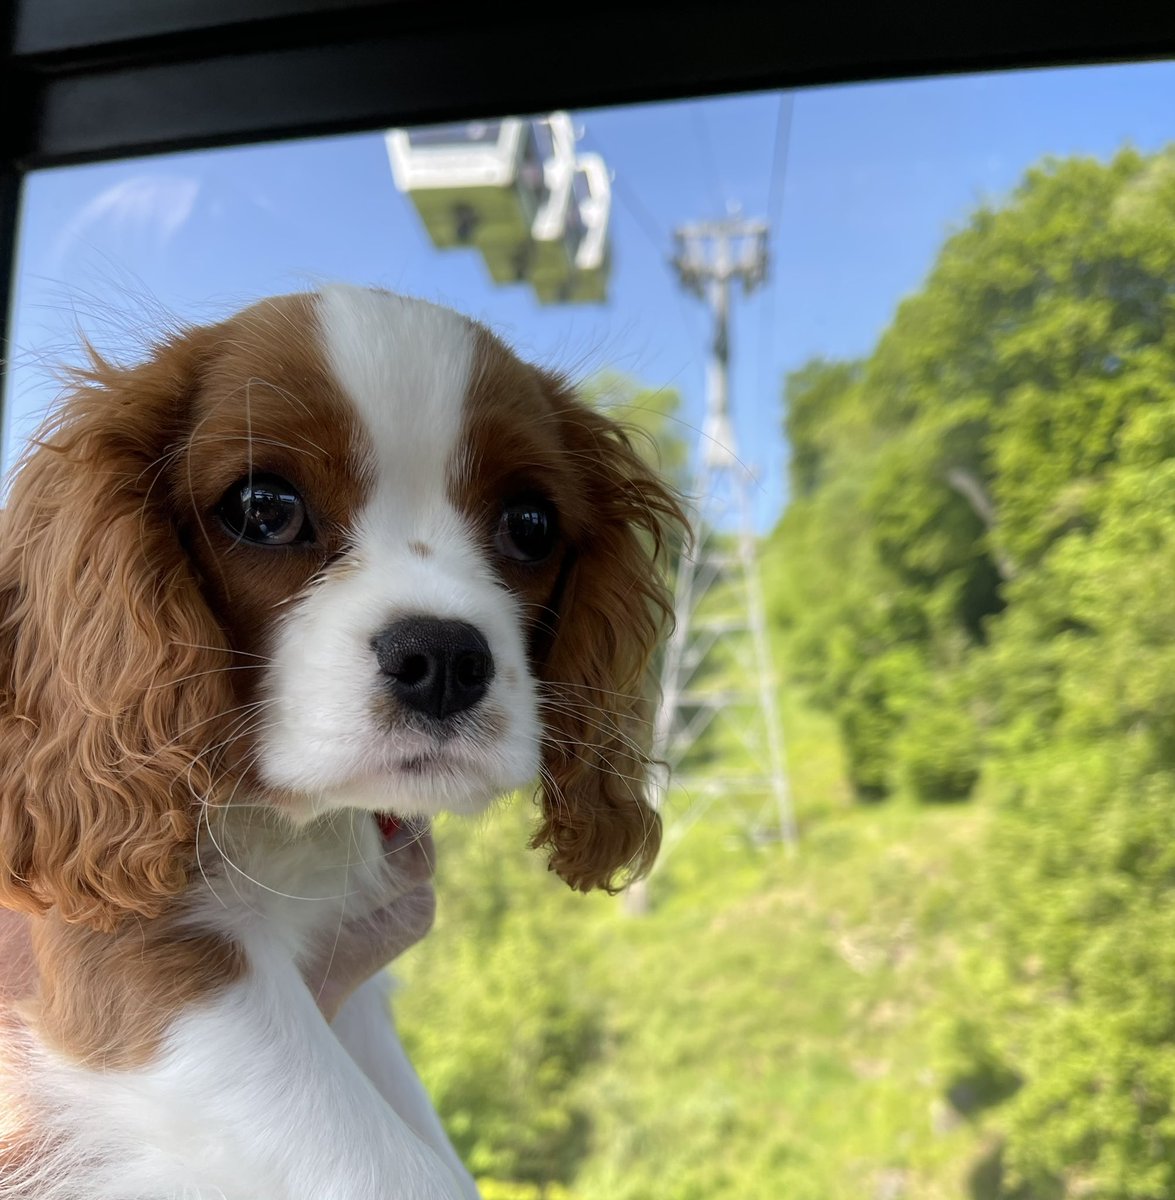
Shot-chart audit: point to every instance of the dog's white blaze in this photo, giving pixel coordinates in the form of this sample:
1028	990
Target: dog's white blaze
405	365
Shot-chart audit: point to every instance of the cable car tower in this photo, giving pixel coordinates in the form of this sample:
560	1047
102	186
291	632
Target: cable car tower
718	599
516	190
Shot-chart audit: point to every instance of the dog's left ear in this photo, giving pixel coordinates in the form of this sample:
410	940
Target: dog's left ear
612	610
112	676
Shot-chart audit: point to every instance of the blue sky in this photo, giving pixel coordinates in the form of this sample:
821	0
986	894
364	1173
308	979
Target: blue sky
876	176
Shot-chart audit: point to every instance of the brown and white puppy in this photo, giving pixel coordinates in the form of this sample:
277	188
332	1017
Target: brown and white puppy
269	601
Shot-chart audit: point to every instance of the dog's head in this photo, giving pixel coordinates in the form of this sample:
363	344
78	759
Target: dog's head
341	550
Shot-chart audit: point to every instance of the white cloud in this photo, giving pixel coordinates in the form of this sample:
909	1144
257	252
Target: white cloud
154	207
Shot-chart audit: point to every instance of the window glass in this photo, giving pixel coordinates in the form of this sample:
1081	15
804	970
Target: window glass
912	930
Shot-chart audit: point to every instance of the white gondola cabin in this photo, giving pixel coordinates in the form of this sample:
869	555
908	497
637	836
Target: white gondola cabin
476	184
592	198
557	228
515	190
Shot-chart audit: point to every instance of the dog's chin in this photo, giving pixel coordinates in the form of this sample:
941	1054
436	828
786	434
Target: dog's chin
418	785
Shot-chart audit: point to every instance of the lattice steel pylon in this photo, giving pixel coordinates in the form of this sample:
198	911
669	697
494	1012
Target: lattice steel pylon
709	257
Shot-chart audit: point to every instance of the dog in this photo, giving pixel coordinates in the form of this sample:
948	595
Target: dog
270	600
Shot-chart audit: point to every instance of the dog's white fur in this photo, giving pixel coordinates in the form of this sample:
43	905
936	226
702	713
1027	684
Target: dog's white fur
254	1095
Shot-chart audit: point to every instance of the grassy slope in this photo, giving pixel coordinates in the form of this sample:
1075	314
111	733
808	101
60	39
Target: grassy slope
768	1030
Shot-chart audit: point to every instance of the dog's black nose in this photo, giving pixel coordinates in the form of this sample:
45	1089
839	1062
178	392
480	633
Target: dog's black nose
436	667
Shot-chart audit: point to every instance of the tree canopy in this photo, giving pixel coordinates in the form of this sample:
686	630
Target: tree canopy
980	560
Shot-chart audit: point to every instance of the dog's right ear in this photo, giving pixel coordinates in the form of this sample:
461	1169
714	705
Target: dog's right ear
110	660
597	822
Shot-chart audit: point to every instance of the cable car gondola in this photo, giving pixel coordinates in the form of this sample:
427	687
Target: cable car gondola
592	198
476	184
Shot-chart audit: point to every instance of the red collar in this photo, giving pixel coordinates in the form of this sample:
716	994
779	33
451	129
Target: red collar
389	824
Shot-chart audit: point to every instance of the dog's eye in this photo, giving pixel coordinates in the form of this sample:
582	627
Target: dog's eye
528	529
267	510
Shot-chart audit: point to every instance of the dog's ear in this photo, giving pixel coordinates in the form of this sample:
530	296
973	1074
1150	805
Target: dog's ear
110	660
612	609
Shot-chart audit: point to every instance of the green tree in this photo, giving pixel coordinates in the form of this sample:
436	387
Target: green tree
651	414
982	553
